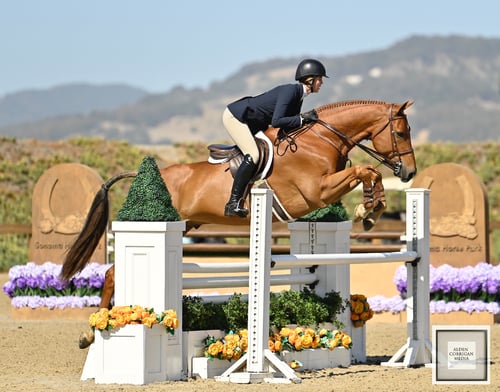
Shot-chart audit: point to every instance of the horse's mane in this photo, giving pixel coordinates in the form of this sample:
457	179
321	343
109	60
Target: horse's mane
350	103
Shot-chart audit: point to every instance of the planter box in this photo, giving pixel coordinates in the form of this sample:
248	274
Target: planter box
311	359
318	358
137	354
192	347
209	368
358	350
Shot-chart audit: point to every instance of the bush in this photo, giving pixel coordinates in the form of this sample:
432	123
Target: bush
288	307
148	198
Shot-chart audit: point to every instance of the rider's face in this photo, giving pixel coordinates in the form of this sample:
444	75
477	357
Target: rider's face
316	84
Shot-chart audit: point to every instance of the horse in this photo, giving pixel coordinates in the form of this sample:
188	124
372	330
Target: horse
309	171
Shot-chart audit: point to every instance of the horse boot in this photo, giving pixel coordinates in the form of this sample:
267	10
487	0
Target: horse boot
241	179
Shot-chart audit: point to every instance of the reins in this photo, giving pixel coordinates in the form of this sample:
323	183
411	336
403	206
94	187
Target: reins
290	136
394	166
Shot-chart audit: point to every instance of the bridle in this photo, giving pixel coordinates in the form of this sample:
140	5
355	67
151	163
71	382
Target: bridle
387	161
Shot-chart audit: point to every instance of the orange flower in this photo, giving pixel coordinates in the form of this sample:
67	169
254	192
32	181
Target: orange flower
307	341
215	348
298	343
346	341
315	342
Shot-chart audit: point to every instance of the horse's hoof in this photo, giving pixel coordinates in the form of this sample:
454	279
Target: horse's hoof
86	339
368	224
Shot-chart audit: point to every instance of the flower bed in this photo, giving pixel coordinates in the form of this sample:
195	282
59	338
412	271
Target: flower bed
449	284
302	348
39	286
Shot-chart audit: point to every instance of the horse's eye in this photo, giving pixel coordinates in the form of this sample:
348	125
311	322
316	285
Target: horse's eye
400	134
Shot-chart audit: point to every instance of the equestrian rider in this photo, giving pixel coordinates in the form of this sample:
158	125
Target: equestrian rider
280	108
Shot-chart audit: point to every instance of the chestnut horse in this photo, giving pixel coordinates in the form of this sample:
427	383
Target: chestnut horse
308	172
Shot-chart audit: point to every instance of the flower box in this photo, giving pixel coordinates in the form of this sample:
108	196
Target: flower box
312	359
209	368
137	354
193	348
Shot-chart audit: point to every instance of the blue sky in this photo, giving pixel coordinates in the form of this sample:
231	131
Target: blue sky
157	45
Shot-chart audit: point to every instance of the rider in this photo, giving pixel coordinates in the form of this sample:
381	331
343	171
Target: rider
280	108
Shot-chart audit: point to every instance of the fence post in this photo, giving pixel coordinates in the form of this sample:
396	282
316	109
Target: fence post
418	348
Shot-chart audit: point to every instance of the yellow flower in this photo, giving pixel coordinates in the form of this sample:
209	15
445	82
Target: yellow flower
215	348
346	341
307	341
237	355
316	341
285	332
294	364
298	343
244	343
357	307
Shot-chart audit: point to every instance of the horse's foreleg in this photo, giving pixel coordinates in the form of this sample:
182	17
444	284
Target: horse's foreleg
342	182
108	289
374	203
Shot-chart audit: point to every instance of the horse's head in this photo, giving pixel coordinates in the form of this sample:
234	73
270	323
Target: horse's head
393	141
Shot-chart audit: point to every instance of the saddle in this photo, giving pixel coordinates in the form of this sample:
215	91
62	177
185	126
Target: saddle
222	153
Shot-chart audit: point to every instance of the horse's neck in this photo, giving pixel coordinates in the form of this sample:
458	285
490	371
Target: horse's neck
356	122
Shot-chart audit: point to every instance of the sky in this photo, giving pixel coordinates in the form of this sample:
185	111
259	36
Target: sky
160	44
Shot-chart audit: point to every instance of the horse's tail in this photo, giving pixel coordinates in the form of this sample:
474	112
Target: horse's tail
95	225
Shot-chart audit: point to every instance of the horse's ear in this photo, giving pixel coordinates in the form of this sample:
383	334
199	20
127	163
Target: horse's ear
405	106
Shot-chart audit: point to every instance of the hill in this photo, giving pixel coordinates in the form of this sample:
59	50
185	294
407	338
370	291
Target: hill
453	79
72	99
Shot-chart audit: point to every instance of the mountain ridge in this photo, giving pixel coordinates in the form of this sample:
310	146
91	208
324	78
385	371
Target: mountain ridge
454	81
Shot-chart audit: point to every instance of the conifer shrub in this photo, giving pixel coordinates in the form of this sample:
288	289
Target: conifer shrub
148	198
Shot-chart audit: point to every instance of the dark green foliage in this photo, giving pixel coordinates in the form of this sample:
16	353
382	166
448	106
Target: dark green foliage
288	307
303	308
236	311
332	213
148	198
198	315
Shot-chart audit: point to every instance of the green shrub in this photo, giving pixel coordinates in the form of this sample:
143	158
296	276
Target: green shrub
303	308
148	198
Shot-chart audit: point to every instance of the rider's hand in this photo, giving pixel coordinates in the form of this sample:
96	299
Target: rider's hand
309	117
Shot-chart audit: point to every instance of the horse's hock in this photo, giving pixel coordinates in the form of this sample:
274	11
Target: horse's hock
61	199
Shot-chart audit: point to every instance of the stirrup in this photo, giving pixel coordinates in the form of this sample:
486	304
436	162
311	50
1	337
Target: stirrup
234	209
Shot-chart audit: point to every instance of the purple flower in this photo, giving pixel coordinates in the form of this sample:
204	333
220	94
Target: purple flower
400	280
380	303
43	281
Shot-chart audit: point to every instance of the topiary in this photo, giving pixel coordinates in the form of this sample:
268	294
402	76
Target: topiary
334	212
148	198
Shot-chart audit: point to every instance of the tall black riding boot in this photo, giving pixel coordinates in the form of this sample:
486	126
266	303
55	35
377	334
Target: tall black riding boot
241	179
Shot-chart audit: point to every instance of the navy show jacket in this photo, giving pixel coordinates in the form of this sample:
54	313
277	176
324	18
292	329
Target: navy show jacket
279	107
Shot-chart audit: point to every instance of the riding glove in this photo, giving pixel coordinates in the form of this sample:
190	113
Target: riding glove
309	117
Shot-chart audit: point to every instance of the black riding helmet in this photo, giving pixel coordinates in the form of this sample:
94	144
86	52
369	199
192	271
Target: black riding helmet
310	67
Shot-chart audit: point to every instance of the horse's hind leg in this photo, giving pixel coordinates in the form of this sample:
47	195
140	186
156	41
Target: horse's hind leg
87	337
